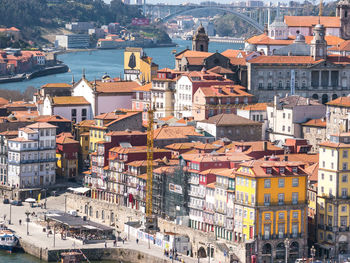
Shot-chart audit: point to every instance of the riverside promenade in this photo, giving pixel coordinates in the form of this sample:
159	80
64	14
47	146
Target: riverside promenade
48	248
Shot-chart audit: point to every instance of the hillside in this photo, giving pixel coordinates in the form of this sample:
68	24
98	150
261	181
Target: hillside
232	26
35	17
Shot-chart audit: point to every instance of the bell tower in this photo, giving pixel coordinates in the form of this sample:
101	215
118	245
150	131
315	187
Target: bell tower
200	41
318	45
343	12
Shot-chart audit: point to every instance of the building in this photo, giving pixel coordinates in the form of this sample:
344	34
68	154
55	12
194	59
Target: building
137	65
13	32
200	40
74	41
271	199
4	137
337	118
105	95
210	101
74	108
314	131
113	121
141	101
53	90
187	85
286	115
333	203
79	27
231	126
67	156
82	133
342	49
32	157
62	124
305	74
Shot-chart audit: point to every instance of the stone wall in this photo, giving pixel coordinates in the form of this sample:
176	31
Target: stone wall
123	214
33	250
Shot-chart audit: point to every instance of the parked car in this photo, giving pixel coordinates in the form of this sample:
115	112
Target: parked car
6	201
17	203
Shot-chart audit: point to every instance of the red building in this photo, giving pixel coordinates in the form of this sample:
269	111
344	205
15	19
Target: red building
67	155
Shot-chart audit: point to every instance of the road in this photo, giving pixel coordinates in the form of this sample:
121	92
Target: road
40	238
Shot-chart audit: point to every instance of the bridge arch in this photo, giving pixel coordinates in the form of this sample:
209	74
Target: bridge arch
245	18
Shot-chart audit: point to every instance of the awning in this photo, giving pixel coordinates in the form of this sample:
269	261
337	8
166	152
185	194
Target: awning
79	190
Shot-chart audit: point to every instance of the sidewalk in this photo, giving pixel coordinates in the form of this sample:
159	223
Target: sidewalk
40	238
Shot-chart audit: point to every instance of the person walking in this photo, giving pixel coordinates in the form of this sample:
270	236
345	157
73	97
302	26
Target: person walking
123	240
115	242
105	244
137	240
20	222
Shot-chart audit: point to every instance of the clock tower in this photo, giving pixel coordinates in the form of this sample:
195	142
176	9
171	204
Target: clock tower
318	45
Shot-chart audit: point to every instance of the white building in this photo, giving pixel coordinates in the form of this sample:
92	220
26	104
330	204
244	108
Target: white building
73	41
75	108
286	115
32	156
106	95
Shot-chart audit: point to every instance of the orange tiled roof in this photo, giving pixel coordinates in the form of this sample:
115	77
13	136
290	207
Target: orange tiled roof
316	123
341	101
312	170
233	53
310	21
41	125
51	118
69	100
258	106
284	60
193	54
181	146
146	87
56	85
65	140
115	87
343	46
3	101
173	132
225	91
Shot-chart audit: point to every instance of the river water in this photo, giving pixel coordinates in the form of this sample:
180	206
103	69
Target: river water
98	62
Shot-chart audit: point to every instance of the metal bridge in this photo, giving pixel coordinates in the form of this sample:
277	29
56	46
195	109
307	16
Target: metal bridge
255	16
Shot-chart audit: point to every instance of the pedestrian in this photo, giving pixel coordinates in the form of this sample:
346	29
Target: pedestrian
105	244
115	242
20	222
137	240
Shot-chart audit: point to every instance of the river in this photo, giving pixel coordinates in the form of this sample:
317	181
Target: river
111	61
96	63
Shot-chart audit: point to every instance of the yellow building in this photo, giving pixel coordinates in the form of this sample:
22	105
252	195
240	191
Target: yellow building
270	206
82	133
67	155
333	202
137	65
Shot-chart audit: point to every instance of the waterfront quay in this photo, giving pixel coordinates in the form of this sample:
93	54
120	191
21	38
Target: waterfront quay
49	247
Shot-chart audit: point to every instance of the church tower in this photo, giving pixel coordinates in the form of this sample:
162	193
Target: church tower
343	12
200	41
318	45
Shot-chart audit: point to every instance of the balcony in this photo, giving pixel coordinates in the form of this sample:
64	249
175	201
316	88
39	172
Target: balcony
46	160
285	203
281	236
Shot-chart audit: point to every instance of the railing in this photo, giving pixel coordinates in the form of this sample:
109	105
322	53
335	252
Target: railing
48	160
283	203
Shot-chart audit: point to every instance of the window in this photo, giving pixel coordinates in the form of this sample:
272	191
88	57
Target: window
344	178
281	170
295	215
267	198
295	182
280	199
294	198
330	177
281	183
284	115
281	230
280	215
330	208
83	112
343	220
283	128
345	166
267	183
344	192
343	208
330	220
267	216
74	112
345	154
322	176
295	230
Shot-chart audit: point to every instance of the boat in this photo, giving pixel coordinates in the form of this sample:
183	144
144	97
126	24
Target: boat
8	240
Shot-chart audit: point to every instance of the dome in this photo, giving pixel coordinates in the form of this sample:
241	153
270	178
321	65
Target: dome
278	23
200	29
299	39
250	48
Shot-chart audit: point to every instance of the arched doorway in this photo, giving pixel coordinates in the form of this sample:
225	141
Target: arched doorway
201	253
267	253
324	98
294	251
280	251
315	96
334	96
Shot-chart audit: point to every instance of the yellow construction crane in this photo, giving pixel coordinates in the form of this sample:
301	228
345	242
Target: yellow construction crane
150	138
321	8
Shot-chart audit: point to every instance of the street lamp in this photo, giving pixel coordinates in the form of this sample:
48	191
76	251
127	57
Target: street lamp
177	208
209	251
313	253
27	214
129	217
286	244
11	204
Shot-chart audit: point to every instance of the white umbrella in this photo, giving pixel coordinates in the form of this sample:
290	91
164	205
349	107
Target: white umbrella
30	200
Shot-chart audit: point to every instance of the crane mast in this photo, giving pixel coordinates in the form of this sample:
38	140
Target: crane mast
149	162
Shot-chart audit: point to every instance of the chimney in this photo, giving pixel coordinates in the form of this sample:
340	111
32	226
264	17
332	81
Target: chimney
265	146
